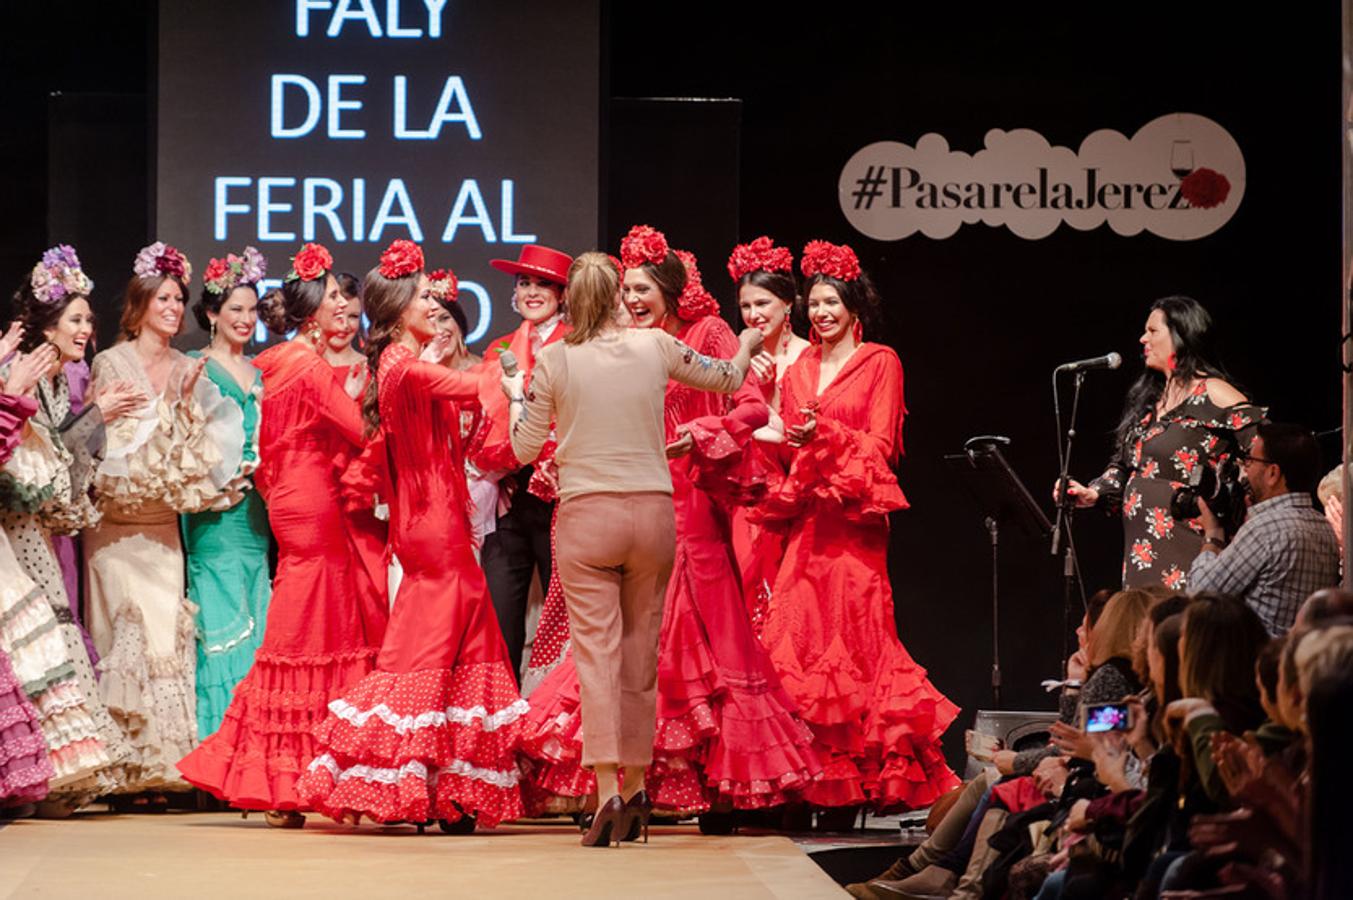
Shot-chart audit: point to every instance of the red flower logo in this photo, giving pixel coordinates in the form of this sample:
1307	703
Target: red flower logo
311	262
1149	469
1173	578
1205	188
1143	554
401	258
643	244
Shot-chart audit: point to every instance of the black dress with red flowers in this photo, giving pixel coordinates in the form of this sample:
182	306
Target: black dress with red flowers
1158	456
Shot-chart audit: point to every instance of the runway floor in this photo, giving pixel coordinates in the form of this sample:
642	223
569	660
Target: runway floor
199	855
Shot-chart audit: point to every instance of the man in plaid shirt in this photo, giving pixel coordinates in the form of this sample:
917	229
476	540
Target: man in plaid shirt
1286	550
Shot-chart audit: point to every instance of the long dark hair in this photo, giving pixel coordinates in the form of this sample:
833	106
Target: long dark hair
1195	355
1222	639
780	283
385	300
1330	867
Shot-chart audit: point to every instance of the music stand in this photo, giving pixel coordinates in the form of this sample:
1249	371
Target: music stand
1003	498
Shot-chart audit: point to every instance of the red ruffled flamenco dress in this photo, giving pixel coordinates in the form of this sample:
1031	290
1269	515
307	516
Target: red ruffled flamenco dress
830	627
434	731
327	616
727	733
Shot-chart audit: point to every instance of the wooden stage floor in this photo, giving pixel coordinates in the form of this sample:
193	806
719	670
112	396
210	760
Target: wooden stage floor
200	855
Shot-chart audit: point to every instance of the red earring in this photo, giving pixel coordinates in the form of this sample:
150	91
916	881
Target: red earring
857	329
813	336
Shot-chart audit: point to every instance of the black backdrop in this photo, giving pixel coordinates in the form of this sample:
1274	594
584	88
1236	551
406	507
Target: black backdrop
980	318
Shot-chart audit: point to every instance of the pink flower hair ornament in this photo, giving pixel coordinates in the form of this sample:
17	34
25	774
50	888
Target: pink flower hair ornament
58	275
224	275
160	260
444	285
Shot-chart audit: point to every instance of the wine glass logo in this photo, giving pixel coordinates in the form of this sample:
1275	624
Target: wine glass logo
1181	158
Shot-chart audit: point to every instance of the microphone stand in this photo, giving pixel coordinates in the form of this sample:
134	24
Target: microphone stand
1061	533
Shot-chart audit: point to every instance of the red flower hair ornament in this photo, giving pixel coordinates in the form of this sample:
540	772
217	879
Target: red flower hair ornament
761	255
695	302
312	261
444	285
401	258
825	258
644	244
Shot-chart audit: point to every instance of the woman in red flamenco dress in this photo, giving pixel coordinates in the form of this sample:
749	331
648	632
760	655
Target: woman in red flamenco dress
434	731
727	733
830	627
326	619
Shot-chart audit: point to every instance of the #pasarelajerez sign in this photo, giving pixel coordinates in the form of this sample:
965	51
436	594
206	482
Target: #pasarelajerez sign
1180	177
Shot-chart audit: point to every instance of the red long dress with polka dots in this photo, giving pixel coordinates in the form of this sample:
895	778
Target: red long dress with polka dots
433	732
327	616
727	731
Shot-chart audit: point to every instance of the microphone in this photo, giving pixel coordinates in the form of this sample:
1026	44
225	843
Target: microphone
1108	361
508	360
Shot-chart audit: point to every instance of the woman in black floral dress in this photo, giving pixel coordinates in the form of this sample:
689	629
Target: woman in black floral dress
1180	414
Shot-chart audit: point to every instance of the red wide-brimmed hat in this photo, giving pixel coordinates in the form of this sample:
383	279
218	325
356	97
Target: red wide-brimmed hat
537	260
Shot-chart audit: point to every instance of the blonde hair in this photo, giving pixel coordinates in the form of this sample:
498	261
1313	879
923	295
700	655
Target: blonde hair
1117	626
593	281
1332	485
1319	651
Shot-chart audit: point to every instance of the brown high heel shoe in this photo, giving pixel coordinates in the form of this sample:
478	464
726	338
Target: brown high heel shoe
607	824
282	818
637	812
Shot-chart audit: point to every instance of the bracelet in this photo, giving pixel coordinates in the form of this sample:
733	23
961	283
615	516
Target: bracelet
521	400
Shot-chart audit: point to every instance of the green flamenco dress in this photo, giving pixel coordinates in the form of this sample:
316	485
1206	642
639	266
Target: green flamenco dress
227	548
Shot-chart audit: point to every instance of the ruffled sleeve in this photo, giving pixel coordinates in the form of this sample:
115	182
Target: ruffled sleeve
161	454
14	411
223	422
31	472
722	461
843	465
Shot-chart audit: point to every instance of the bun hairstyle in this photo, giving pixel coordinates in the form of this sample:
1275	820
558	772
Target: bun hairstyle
287	308
593	280
387	290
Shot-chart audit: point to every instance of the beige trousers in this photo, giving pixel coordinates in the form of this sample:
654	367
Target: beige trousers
614	555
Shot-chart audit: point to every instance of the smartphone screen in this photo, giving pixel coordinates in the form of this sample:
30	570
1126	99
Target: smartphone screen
1101	717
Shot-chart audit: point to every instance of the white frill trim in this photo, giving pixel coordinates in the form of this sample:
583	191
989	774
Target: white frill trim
506	779
435	718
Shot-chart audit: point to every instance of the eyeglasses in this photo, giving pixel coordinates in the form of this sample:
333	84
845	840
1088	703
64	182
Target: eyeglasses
1257	459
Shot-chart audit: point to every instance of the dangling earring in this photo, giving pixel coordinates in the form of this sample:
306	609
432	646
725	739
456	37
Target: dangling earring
857	329
813	336
314	334
213	334
398	331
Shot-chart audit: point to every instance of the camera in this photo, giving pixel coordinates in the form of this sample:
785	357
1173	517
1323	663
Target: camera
1098	718
1220	488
